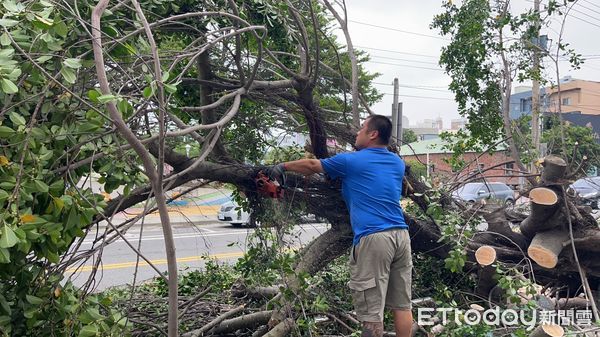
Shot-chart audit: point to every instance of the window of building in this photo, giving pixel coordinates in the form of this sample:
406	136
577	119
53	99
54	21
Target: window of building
508	169
481	166
525	104
566	101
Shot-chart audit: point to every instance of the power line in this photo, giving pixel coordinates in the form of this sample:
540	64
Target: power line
412	87
405	65
397	52
580	19
591	3
589	9
583	65
427	97
406	60
585	14
415	85
399	30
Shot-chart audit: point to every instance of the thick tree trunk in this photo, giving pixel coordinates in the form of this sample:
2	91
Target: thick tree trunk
323	199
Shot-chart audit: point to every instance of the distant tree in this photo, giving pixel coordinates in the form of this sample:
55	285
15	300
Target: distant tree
408	136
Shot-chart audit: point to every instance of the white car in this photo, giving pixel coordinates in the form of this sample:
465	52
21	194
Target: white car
231	212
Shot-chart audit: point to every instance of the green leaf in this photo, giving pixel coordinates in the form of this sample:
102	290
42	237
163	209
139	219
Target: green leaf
8	238
72	219
124	107
8	87
90	330
7	185
61	29
93	95
7	23
4	255
68	74
107	98
6	132
72	63
12	6
165	76
7	53
4	304
40	186
148	92
4	39
3	195
34	299
16	118
170	88
14	74
95	314
57	187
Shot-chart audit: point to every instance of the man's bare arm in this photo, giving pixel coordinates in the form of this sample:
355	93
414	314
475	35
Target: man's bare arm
304	166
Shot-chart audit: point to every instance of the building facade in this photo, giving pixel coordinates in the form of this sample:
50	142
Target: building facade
494	167
576	96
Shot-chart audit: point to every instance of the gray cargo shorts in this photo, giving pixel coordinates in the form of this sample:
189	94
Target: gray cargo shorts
380	274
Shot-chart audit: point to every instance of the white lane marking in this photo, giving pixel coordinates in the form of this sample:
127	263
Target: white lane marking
135	237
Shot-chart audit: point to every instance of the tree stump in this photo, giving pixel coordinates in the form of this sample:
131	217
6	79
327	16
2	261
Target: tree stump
554	169
546	247
548	330
544	202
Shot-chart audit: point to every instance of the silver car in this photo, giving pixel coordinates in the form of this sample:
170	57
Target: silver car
473	192
588	190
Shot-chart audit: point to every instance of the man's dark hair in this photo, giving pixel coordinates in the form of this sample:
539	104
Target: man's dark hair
383	126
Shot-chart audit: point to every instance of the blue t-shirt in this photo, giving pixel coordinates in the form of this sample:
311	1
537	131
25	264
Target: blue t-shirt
371	188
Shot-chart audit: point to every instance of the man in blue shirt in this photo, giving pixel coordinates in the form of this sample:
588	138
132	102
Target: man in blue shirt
380	259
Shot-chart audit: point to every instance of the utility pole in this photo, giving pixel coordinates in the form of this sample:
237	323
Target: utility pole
535	89
399	125
395	113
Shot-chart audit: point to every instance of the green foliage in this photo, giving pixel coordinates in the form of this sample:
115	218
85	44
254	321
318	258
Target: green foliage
580	142
490	47
417	168
468	59
54	116
283	154
219	276
408	136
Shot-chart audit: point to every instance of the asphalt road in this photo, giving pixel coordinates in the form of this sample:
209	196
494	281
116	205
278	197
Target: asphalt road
193	243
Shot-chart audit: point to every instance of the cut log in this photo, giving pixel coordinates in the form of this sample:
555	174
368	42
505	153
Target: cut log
544	203
546	247
554	169
485	255
486	282
548	330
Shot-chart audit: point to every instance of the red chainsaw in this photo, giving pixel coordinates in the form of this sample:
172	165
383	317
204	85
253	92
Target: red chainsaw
267	187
